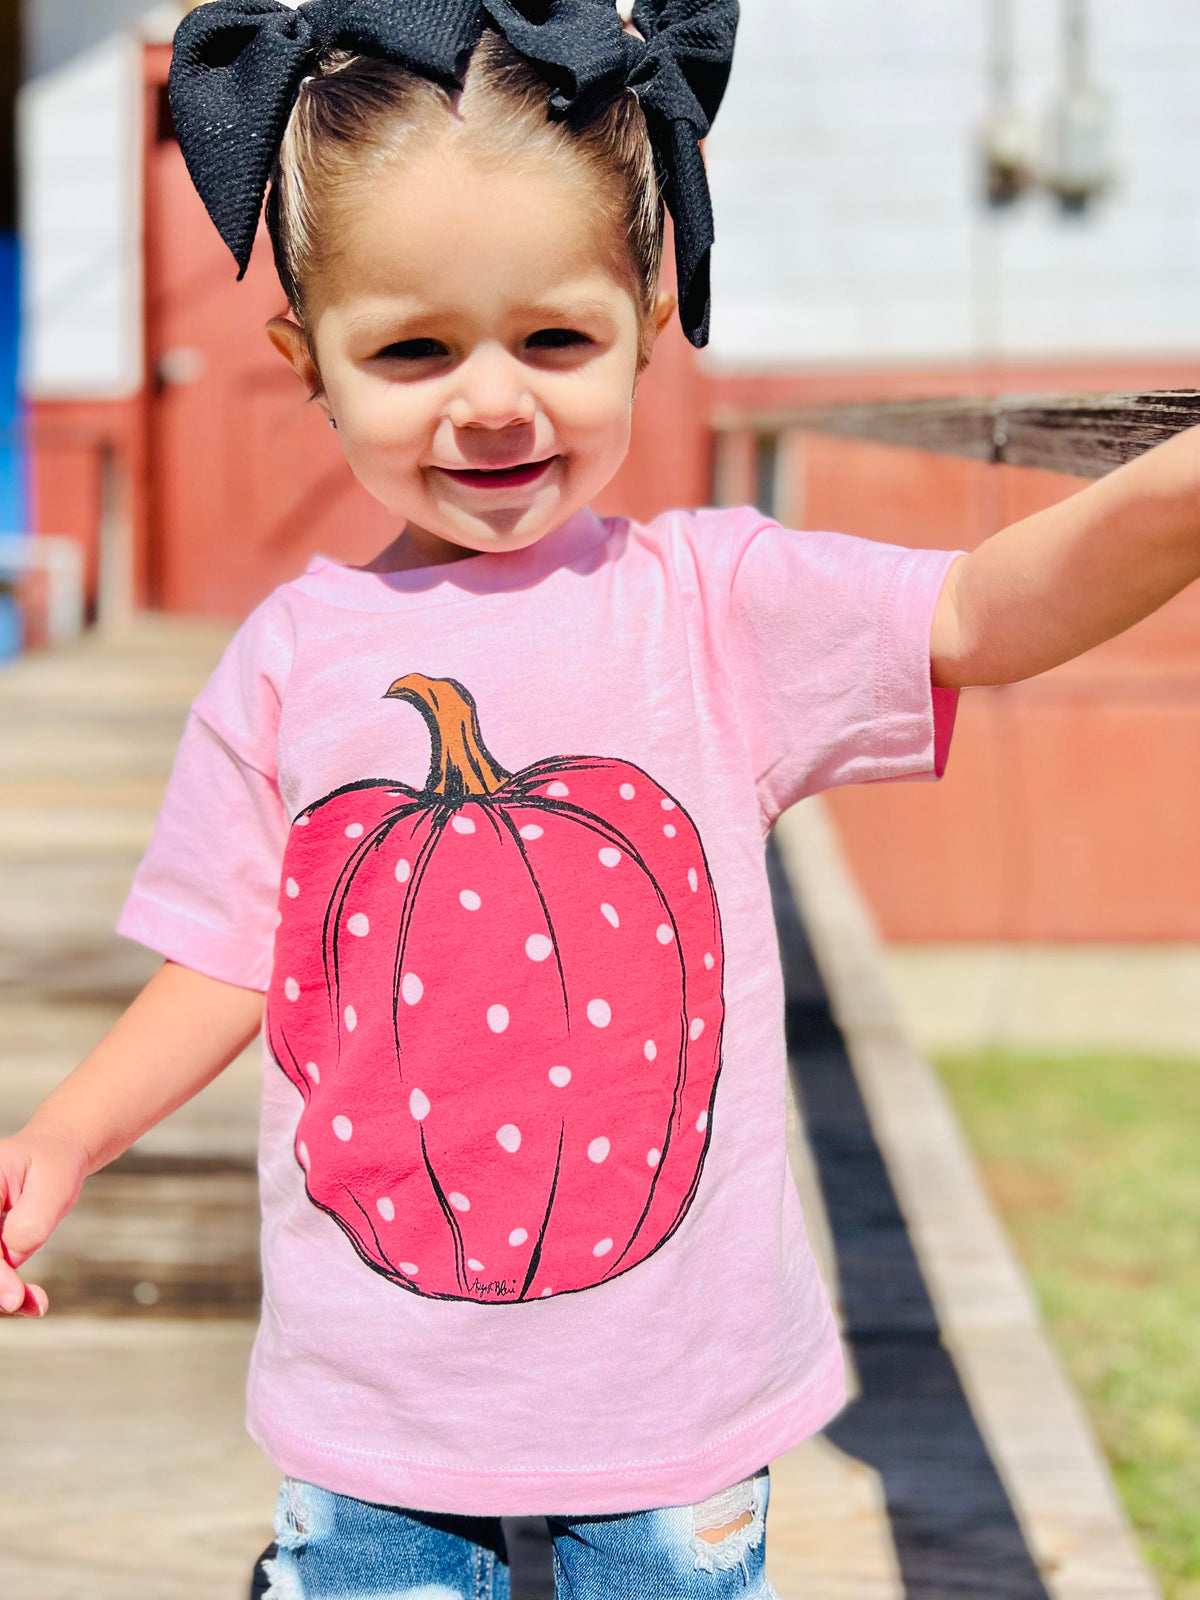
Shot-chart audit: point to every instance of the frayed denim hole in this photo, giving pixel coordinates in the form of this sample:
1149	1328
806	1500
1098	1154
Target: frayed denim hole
301	1514
283	1578
744	1503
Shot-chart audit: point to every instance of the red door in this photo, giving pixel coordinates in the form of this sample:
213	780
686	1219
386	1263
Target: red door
246	479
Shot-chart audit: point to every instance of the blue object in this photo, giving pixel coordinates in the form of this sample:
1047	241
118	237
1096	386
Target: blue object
13	499
10	628
14	505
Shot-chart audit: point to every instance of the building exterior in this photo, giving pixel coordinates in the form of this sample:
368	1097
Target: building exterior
855	259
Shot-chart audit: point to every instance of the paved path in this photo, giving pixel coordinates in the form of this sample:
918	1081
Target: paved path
964	1467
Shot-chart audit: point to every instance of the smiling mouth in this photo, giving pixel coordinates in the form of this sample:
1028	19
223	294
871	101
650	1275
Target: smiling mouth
500	477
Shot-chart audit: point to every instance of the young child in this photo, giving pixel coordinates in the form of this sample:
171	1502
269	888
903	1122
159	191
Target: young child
483	821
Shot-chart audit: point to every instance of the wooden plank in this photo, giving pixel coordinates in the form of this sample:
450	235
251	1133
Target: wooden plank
125	1472
1033	1424
158	1236
1083	435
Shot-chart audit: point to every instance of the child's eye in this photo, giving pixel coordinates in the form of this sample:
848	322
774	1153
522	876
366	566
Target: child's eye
413	350
557	339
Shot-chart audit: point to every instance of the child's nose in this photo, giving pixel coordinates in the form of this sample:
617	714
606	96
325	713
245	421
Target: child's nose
492	391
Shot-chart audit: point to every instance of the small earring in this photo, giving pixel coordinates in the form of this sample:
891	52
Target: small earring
333	423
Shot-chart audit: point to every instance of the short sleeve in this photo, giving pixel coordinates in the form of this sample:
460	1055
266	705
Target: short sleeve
206	892
828	646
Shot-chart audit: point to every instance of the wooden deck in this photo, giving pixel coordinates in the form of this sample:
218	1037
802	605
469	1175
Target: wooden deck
963	1467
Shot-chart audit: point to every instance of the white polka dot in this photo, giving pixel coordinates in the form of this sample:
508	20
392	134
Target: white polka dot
546	1293
538	947
355	831
313	1071
291	988
509	1136
664	933
475	1266
708	960
385	1209
418	1104
462	824
599	1012
279	919
602	1249
530	831
517	1236
560	1077
693	880
409	1268
669	830
292	888
650	1049
702	1122
667	803
598	1149
627	791
300	822
609	857
610	915
557	789
653	1157
459	1202
343	1127
697	1028
497	1018
351	1019
411	988
358	925
402	870
469	900
304	1157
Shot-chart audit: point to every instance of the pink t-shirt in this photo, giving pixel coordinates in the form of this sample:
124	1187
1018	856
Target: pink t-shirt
490	835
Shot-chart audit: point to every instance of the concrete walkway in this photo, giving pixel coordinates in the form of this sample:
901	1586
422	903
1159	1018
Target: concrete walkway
964	1467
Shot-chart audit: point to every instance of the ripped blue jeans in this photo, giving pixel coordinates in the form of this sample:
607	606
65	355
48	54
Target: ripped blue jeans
330	1547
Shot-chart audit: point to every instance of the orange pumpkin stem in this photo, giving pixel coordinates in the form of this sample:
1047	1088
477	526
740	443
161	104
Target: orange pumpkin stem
461	764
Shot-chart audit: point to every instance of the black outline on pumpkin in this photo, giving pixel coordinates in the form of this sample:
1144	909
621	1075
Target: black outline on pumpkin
516	790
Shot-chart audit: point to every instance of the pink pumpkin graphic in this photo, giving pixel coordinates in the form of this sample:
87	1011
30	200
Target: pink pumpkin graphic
501	1000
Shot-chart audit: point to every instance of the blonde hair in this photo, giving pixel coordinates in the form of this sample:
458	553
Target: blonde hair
359	114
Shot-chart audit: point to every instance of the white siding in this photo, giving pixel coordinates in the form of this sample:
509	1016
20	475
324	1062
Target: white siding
845	180
79	131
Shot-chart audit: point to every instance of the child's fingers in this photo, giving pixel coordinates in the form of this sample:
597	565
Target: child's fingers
31	1300
14	1294
45	1198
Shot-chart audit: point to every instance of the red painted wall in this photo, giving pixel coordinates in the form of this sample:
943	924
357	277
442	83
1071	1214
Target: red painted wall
1068	810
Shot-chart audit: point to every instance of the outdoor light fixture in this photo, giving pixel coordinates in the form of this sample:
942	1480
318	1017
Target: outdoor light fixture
1077	166
1007	143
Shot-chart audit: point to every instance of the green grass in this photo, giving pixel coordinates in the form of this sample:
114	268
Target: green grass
1094	1161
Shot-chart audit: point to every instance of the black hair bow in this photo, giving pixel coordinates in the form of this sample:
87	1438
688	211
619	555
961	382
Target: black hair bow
238	66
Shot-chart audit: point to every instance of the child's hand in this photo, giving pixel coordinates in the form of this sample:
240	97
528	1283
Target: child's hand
41	1173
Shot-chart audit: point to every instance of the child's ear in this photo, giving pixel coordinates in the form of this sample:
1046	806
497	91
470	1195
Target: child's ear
290	339
664	309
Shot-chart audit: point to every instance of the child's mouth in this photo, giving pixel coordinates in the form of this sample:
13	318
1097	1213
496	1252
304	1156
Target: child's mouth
500	477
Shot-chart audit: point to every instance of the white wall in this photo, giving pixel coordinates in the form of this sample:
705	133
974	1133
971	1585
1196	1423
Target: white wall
845	179
56	31
81	228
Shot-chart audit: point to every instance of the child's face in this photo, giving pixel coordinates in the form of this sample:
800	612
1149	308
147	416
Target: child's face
477	349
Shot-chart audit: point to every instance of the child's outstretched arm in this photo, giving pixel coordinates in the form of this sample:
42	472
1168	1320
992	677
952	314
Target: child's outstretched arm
176	1037
1049	587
